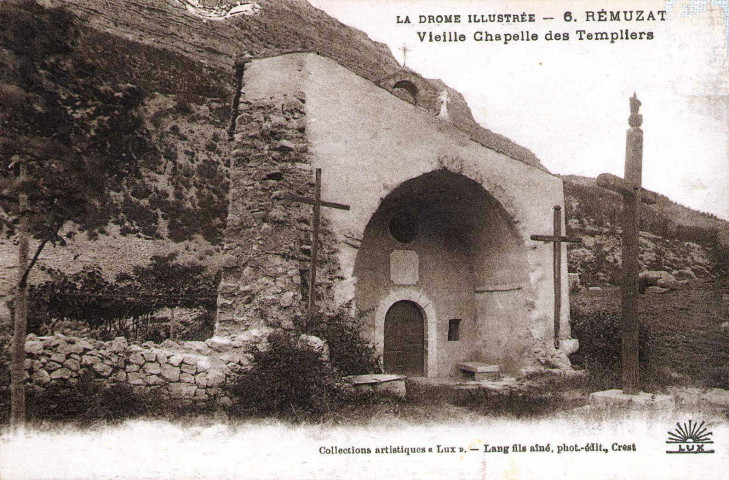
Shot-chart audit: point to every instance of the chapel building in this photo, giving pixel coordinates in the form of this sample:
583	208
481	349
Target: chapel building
434	255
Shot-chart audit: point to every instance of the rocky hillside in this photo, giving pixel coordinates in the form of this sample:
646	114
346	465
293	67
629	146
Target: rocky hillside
683	242
122	102
177	57
273	27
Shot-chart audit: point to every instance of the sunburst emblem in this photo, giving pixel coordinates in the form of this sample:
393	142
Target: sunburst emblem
691	437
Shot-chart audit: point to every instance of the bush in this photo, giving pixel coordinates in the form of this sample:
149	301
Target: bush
720	257
349	353
126	307
293	381
117	403
6	336
600	346
86	402
286	380
90	401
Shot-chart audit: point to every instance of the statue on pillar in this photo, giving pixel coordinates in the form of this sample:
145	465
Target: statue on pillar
635	120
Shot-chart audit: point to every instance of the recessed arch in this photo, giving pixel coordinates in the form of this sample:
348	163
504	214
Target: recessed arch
467	261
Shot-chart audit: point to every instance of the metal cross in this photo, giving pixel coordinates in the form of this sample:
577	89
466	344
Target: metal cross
632	191
317	202
557	239
404	49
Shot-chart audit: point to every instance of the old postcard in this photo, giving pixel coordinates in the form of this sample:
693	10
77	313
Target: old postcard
363	239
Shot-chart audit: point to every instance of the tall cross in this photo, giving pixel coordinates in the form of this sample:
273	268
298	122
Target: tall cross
404	49
556	240
317	202
632	191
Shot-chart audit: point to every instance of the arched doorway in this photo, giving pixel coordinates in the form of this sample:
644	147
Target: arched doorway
404	351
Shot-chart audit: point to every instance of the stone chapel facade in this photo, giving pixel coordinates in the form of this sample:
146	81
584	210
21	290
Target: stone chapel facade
434	255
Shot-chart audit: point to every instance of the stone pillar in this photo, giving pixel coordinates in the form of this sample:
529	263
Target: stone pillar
265	235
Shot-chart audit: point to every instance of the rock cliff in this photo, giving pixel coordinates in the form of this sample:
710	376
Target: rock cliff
277	26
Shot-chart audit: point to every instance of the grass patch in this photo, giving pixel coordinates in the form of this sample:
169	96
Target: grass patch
686	346
515	403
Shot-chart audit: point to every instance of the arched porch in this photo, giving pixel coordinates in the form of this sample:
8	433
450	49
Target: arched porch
443	242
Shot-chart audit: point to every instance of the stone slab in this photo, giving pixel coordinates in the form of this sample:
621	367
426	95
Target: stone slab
480	371
373	378
478	367
394	388
437	390
379	384
404	267
616	399
382	384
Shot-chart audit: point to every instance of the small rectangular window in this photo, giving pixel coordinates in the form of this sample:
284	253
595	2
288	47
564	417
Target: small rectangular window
454	330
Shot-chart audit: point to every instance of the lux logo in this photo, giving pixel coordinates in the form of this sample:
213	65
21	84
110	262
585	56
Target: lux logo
690	438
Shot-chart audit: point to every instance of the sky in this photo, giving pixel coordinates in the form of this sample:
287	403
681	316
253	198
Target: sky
567	101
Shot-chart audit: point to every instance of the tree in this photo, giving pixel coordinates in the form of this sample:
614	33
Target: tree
67	141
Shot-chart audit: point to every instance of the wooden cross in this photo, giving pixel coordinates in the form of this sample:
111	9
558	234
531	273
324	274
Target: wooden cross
557	239
317	203
404	49
632	191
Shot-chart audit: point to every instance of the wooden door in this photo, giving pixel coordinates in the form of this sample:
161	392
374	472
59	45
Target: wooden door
404	339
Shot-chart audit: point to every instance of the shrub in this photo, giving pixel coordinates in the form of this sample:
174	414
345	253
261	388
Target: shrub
127	306
349	353
61	403
720	257
85	402
90	401
170	153
600	346
5	345
117	403
287	379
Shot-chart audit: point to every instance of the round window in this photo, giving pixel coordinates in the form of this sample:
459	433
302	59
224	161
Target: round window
404	228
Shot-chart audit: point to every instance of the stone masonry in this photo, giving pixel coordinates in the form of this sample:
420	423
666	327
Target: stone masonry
268	239
190	370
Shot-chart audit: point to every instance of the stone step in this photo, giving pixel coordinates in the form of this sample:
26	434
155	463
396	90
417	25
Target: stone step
480	371
380	384
563	379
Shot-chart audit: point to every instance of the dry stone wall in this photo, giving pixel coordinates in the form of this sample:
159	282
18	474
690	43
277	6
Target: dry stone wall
190	370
